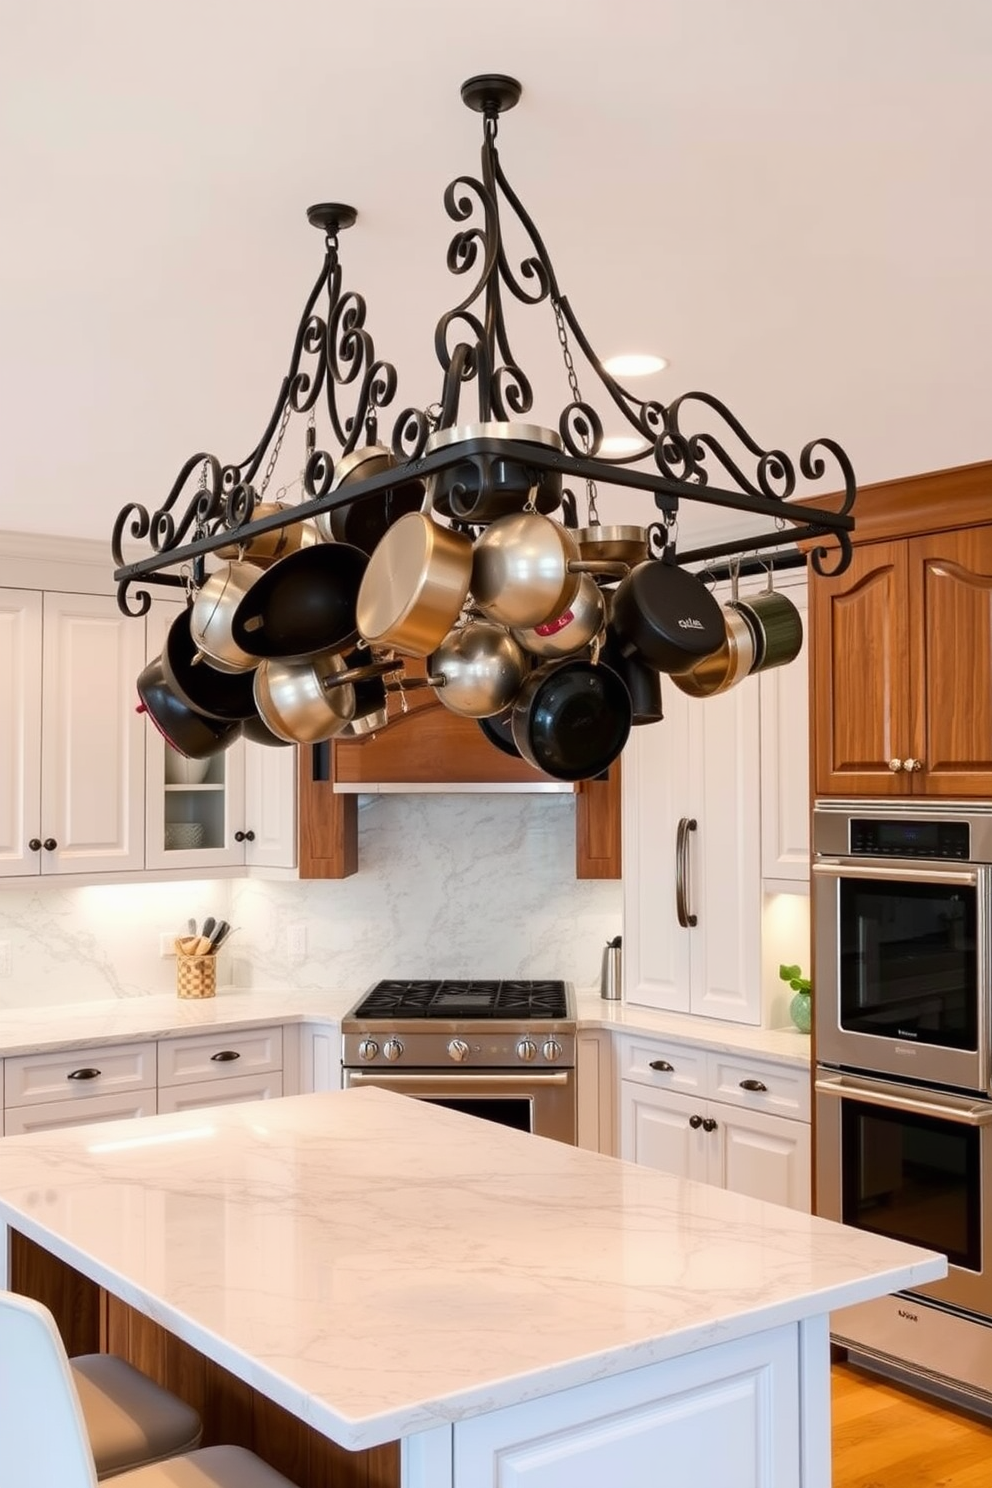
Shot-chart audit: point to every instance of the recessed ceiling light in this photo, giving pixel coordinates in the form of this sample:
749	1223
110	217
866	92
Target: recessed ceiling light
635	364
622	444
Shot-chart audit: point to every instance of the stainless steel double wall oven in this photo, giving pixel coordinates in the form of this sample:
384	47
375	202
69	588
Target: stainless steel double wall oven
902	903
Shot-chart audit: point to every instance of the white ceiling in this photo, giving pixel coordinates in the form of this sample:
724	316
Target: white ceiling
789	198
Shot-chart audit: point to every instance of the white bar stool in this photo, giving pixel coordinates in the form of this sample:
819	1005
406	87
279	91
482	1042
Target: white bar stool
130	1420
43	1429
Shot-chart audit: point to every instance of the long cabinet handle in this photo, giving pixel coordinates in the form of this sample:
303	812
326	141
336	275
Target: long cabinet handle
685	916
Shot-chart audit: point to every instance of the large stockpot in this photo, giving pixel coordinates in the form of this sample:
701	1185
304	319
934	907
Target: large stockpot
666	616
572	719
478	669
415	585
303	604
725	667
482	487
777	627
526	570
214	606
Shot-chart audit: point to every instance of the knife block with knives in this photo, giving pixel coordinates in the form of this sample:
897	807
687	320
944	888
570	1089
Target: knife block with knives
196	959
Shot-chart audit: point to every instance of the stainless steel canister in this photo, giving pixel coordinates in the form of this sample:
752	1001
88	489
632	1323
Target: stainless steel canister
609	983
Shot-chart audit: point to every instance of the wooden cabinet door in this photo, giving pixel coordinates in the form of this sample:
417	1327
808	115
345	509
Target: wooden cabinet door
861	703
951	656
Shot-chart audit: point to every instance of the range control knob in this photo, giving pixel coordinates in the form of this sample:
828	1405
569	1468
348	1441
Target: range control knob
526	1050
368	1049
551	1050
392	1049
458	1050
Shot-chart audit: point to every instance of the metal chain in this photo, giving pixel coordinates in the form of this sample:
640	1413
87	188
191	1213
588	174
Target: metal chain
274	456
573	384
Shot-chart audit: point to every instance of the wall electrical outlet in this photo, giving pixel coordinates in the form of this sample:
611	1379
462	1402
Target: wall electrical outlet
296	941
6	959
167	943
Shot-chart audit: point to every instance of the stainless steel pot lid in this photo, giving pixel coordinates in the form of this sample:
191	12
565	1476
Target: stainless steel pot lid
518	433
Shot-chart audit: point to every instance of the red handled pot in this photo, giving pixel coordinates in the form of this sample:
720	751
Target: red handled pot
526	570
188	732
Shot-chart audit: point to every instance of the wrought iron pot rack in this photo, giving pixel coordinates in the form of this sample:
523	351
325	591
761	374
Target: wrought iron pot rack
212	505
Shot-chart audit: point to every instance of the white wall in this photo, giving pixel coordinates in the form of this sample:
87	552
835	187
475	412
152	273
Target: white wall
448	885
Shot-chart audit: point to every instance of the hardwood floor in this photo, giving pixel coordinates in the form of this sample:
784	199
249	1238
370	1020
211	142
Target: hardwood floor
885	1437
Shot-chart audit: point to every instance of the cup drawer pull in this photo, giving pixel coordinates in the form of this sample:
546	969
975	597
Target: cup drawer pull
754	1085
663	1065
224	1056
83	1074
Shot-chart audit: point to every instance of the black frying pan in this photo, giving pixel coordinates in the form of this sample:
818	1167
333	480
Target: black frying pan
189	732
572	719
302	604
224	695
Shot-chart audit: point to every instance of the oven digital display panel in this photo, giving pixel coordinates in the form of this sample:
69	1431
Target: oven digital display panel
874	838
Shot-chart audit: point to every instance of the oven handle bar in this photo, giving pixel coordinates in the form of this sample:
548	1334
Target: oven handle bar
934	873
477	1078
918	1102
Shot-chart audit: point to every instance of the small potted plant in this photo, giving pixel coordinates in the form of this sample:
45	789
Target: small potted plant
800	1009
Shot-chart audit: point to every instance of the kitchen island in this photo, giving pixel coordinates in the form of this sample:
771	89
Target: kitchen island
517	1312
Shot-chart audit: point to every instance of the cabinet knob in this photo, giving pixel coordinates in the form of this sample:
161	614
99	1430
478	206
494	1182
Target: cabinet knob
244	836
695	1122
663	1065
753	1085
49	844
35	844
912	765
709	1124
895	765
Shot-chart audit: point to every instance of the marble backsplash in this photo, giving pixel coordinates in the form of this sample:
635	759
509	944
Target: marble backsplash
449	885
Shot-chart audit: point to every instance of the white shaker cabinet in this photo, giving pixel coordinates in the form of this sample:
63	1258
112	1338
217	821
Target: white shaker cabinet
71	745
692	857
733	1120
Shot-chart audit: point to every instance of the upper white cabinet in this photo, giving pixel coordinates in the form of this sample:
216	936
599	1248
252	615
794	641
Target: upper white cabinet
237	809
71	745
714	815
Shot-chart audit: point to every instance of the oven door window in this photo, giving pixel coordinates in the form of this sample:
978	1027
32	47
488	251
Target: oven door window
908	964
913	1178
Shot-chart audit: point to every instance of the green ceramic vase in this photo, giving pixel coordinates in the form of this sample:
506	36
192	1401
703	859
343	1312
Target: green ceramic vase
801	1011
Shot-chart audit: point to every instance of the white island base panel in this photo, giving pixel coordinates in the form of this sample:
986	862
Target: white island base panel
522	1313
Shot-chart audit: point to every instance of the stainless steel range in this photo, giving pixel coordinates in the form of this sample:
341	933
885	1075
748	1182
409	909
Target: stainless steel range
503	1050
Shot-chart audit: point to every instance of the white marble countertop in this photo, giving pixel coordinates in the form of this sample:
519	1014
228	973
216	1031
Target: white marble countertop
117	1020
379	1266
